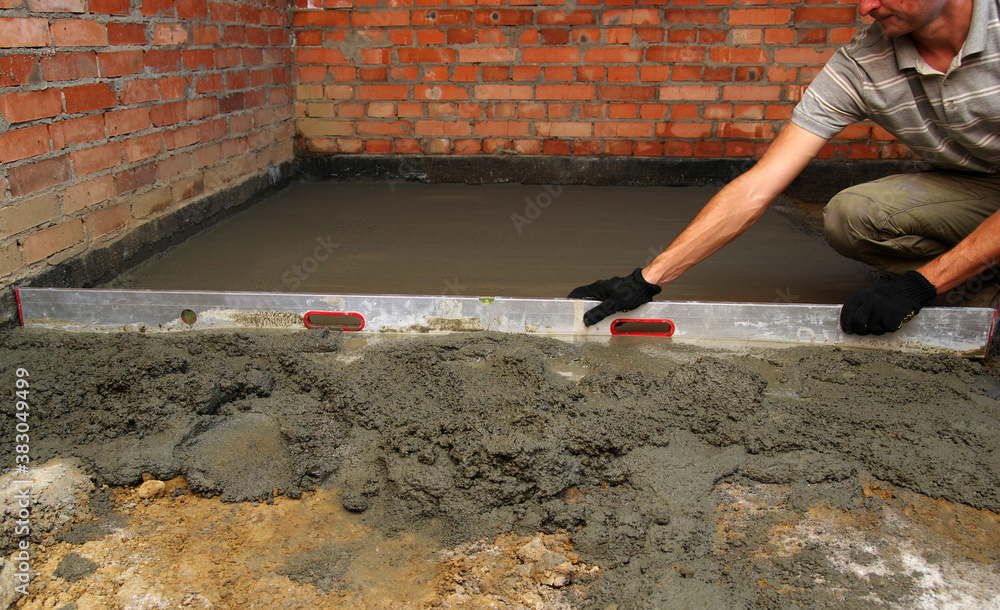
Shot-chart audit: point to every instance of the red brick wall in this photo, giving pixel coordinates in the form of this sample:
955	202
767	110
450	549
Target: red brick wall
680	78
113	112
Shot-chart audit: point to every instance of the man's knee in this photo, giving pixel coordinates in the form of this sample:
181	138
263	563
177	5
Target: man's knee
849	220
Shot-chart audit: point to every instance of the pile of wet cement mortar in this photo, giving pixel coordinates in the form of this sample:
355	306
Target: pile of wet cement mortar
476	434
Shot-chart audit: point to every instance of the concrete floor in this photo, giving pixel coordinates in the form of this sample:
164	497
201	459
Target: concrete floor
491	240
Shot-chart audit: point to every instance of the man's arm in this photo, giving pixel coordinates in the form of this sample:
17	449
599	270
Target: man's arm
738	205
979	251
886	307
730	212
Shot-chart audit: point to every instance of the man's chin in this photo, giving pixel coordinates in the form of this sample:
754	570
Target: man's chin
891	27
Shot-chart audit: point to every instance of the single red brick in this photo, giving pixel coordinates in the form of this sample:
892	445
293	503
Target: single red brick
338	19
142	147
57	6
802	55
120	63
273	17
207	156
684	130
52	240
260	78
458	36
499	73
79	33
16	32
212	130
487	55
383	92
178	138
810	36
639	16
221	12
33	177
174	166
826	14
594	111
90	192
435	56
580	17
127	33
18	70
626	92
253	57
540	55
442	17
17	144
171	87
110	7
237	34
96	158
77	131
69	66
759	16
380	18
696	16
622	74
108	220
199	59
564	92
306	38
22	106
192	9
311	55
139	91
589	73
129	120
202	107
703	93
619	129
257	37
749	131
162	60
652	35
672	54
383	56
153	7
169	113
232	103
550	36
732	55
751	92
87	98
247	13
133	179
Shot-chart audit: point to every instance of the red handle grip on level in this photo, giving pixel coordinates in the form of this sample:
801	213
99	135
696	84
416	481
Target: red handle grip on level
637	327
334	320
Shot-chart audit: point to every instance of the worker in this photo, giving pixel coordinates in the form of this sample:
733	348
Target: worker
928	71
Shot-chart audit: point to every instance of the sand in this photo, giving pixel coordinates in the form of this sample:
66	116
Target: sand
654	474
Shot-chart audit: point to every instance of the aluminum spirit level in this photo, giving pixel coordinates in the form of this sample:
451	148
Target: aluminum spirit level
959	330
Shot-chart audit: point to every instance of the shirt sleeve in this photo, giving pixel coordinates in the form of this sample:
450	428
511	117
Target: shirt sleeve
832	101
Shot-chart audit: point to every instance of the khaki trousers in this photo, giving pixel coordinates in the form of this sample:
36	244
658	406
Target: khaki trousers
904	221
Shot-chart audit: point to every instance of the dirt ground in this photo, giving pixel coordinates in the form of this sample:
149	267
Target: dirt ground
479	470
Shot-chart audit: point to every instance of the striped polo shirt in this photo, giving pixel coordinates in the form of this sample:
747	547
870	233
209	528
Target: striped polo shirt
952	119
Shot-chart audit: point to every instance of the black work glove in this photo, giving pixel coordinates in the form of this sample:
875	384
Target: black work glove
617	294
884	308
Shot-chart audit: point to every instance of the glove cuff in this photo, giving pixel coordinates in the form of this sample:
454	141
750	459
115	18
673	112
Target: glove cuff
917	287
650	289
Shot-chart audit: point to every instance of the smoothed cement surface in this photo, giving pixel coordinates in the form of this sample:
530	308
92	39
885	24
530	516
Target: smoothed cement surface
491	240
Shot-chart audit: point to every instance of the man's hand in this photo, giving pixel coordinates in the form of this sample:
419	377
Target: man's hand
884	308
617	294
